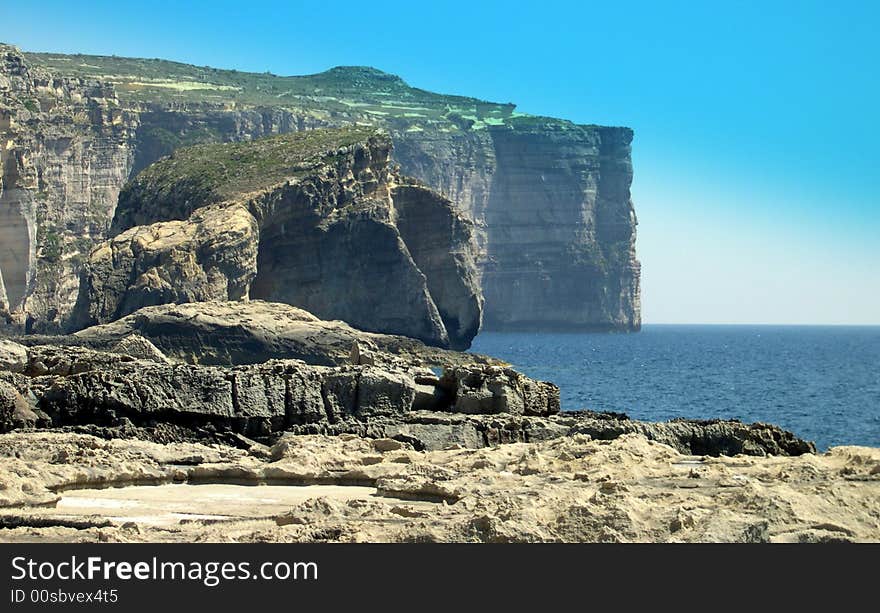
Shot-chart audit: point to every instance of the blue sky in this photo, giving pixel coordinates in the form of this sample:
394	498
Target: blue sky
757	126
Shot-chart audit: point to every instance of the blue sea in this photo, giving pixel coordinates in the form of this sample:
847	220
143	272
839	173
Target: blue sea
820	382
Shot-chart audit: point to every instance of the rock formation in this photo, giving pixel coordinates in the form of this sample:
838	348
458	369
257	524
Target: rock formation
207	368
556	223
66	148
308	219
550	199
569	489
233	333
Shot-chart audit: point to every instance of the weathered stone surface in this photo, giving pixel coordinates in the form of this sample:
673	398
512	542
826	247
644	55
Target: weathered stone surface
66	148
13	357
550	199
699	437
441	242
228	333
492	389
65	361
307	220
211	256
138	347
15	412
441	430
569	489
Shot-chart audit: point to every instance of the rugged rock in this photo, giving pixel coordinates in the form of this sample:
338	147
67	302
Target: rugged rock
469	406
14	409
493	389
550	199
699	437
13	357
366	392
557	227
569	489
433	430
75	386
289	219
440	241
229	333
66	148
138	347
211	256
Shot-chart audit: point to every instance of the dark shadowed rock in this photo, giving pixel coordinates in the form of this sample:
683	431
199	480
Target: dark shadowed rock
480	389
698	437
14	409
441	241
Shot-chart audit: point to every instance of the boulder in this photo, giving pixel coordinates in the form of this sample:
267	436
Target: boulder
137	346
229	333
481	389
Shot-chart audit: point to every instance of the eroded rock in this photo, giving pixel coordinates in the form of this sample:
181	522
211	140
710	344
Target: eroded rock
13	357
304	219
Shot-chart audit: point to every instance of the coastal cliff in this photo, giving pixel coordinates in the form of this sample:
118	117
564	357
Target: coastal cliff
66	149
550	199
316	219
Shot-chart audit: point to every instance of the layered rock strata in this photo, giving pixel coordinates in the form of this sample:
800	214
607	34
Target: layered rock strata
71	385
132	382
234	333
314	219
352	489
551	200
66	149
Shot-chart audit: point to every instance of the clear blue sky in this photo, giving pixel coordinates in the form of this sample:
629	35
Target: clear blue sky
757	124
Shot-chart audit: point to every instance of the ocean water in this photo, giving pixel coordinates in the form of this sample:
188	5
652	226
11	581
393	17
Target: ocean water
822	383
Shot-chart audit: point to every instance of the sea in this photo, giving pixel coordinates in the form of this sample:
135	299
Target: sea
820	382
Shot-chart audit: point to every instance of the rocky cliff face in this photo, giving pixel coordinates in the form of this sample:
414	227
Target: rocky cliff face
557	227
550	199
66	148
316	219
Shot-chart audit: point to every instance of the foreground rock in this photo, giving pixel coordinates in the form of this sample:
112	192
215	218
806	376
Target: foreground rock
229	333
78	386
219	371
352	489
319	220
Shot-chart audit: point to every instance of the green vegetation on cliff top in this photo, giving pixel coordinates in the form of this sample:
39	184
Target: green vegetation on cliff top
230	169
343	93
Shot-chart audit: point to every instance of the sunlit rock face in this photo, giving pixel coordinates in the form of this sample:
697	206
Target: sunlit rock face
316	219
550	199
66	148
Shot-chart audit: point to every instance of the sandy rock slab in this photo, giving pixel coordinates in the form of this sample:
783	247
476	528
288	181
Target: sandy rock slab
72	487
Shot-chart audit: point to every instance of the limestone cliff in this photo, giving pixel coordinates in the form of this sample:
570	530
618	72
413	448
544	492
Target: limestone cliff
66	148
550	199
308	219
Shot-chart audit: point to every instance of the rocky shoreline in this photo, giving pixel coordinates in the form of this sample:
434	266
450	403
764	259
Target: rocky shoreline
369	437
312	488
178	368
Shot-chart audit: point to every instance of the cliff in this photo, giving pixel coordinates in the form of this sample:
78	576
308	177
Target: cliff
66	148
308	219
550	199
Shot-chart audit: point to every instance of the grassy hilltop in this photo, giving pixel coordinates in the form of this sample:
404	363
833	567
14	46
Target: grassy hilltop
356	90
